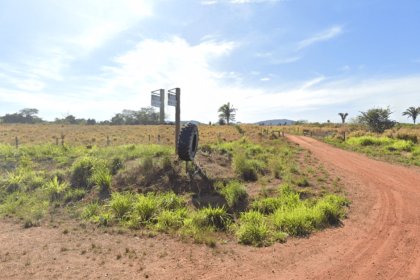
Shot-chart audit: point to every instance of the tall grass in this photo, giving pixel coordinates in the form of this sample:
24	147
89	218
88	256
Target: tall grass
233	191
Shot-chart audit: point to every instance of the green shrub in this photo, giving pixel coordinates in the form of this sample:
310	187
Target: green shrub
247	168
146	206
276	167
36	182
60	174
55	189
15	180
104	219
233	191
147	164
266	205
82	172
91	210
255	149
171	219
170	201
253	229
215	217
403	145
102	178
296	221
121	203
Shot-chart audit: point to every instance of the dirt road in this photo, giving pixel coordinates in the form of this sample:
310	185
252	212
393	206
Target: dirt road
379	240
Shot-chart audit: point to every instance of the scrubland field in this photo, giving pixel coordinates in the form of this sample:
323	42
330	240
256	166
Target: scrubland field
84	209
253	189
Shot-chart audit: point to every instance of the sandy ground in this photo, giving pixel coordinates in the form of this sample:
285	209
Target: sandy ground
379	240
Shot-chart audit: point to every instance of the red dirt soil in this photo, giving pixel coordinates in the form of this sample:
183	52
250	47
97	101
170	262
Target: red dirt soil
379	240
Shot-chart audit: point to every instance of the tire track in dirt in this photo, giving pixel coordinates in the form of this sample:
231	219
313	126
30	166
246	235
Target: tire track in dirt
389	249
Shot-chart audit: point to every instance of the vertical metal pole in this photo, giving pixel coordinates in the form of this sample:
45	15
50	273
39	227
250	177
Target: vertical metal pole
159	138
56	141
344	134
162	106
107	141
177	117
16	142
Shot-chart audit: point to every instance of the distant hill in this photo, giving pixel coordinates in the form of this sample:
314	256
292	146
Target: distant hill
276	122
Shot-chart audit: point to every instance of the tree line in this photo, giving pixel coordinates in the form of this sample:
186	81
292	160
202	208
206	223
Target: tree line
144	116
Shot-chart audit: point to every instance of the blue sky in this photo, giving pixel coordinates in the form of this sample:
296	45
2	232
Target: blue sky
296	59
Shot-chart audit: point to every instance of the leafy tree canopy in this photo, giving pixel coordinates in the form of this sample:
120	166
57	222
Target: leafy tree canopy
377	119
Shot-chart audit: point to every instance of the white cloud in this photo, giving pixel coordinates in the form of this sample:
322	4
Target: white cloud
326	35
265	79
263	54
208	2
32	85
286	60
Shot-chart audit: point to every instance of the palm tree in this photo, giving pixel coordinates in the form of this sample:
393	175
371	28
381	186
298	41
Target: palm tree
227	112
412	113
343	116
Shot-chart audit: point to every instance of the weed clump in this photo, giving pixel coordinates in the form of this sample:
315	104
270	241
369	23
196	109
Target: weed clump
233	191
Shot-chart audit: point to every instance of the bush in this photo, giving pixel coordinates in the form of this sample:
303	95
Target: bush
276	167
146	206
121	204
55	189
147	164
91	210
403	145
171	219
83	170
170	201
266	205
215	217
233	191
102	178
253	229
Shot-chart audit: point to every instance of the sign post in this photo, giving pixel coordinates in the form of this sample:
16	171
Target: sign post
158	100
174	99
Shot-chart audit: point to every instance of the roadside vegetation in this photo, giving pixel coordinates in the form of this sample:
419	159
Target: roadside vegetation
372	133
276	189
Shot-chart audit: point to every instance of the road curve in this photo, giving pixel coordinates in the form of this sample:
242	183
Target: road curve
388	245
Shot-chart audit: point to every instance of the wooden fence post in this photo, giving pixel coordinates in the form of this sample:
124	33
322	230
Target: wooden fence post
159	138
107	141
344	135
16	142
149	138
56	141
